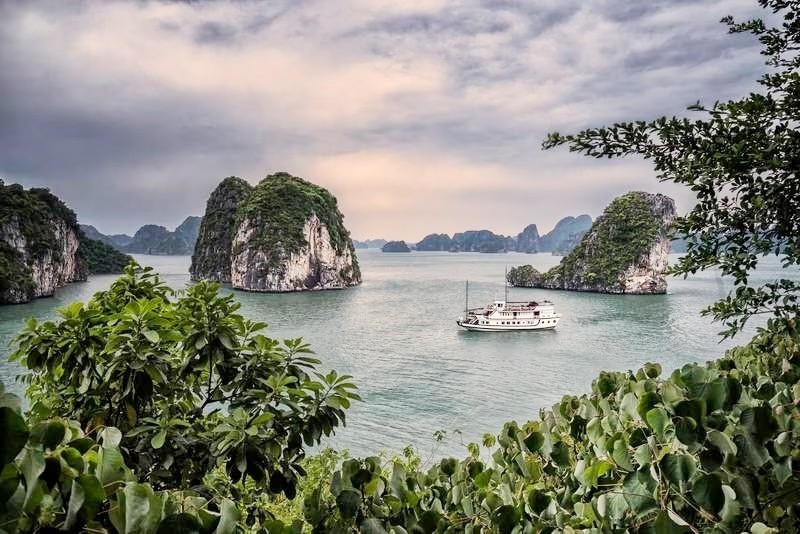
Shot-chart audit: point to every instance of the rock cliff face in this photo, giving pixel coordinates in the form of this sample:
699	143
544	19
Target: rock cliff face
528	240
39	240
211	259
625	251
286	234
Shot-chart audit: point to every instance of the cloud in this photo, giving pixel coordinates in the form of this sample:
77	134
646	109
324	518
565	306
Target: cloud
421	116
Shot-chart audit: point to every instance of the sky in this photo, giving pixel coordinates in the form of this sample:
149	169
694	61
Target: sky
420	116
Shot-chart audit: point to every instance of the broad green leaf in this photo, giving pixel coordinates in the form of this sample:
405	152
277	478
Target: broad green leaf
722	442
663	524
157	441
372	526
111	437
638	492
151	336
678	468
14	434
74	506
348	502
32	467
658	419
180	524
229	518
707	492
143	509
48	433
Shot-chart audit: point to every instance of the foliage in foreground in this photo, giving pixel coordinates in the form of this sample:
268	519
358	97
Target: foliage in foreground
54	478
710	448
193	386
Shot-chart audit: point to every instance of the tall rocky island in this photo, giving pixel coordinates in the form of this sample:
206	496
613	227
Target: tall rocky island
625	251
42	247
285	234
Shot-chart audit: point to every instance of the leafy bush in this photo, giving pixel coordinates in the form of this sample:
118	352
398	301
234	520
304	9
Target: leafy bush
710	448
191	384
55	478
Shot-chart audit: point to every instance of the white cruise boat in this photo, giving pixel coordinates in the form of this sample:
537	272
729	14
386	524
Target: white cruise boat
502	316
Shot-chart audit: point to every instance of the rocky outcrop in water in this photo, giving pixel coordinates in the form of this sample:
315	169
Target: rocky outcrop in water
481	241
39	240
395	246
286	234
625	251
211	259
435	243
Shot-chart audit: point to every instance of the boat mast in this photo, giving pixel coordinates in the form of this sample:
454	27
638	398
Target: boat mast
505	283
466	301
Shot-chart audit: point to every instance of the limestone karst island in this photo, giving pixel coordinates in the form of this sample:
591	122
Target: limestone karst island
284	234
625	251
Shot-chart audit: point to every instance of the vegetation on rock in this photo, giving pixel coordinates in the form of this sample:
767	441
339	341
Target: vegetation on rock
211	259
619	240
279	207
101	258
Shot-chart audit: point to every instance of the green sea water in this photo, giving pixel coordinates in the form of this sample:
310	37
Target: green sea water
418	373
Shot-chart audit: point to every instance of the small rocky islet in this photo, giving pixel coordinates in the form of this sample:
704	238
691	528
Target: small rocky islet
284	234
624	252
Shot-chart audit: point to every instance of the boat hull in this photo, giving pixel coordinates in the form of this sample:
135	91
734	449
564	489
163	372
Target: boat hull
505	328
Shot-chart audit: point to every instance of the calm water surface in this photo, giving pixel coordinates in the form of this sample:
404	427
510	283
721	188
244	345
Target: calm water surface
419	373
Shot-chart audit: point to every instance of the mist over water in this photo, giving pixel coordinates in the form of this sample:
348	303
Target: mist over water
419	373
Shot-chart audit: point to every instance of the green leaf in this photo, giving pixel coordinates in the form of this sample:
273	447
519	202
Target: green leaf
372	526
229	518
707	492
348	502
664	525
14	434
534	441
76	499
142	509
750	450
658	419
151	336
32	467
678	468
180	524
506	518
111	437
638	492
157	441
49	433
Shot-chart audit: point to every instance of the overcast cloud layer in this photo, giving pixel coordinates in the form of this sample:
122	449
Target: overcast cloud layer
419	115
